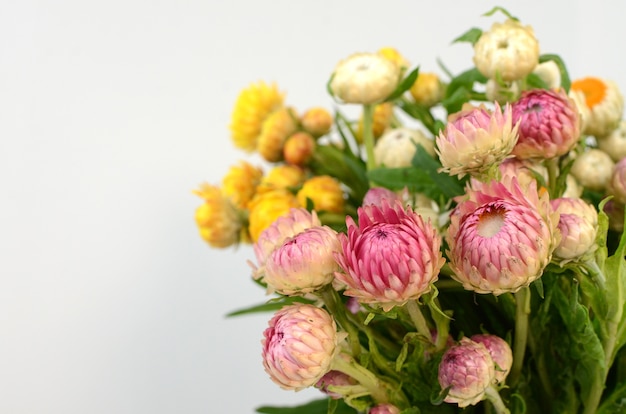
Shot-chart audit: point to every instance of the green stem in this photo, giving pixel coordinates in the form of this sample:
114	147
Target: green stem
442	323
544	377
368	135
418	319
553	172
365	377
494	397
338	310
522	312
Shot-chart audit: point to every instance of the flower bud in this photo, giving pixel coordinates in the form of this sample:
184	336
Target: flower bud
267	207
384	409
593	169
376	195
394	56
240	183
299	346
617	185
467	370
325	193
217	219
427	89
614	144
578	224
281	177
317	121
299	148
364	78
276	128
604	103
550	73
500	352
397	147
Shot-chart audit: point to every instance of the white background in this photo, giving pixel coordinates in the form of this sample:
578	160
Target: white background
111	113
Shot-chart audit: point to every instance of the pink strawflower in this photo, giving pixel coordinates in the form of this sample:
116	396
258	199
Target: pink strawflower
578	224
501	236
500	352
617	185
299	346
384	409
296	221
549	124
392	256
334	379
467	370
376	195
304	263
476	140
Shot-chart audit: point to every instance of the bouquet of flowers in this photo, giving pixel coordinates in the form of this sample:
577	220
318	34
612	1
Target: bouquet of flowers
455	246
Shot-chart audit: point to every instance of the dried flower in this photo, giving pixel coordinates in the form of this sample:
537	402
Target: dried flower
217	219
304	263
391	256
501	236
476	140
508	51
578	224
275	130
253	105
397	147
500	352
427	89
317	121
549	124
604	102
614	144
364	78
266	207
325	193
299	346
240	183
593	169
299	148
467	370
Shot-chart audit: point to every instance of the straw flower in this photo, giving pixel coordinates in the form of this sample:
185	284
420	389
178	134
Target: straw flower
578	225
397	147
427	89
267	207
240	183
604	103
593	169
217	219
325	193
317	121
299	148
274	132
282	177
614	144
500	352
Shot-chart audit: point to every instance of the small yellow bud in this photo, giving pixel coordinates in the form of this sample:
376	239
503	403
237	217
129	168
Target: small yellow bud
217	219
427	89
266	207
317	121
299	148
276	128
325	192
282	177
240	183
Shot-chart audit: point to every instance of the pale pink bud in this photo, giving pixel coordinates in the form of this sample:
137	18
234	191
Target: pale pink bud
376	195
549	124
392	256
467	370
304	263
332	379
617	185
384	409
500	352
615	211
299	346
578	224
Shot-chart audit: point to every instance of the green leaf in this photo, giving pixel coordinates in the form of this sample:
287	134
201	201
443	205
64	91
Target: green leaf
313	407
404	86
533	81
447	185
471	36
501	10
565	79
615	403
270	306
461	89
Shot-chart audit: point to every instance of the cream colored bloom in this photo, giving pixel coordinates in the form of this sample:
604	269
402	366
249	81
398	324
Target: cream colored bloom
364	78
605	103
593	169
614	144
397	147
550	73
508	51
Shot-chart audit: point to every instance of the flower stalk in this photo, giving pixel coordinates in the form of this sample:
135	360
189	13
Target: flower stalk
417	317
368	135
522	313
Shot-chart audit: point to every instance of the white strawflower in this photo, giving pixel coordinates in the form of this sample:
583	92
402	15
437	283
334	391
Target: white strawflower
614	144
397	147
604	101
550	73
593	169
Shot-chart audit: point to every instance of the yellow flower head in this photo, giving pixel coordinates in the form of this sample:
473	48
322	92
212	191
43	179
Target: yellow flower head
217	219
317	121
266	207
427	89
253	105
392	55
604	105
240	182
299	148
383	114
275	130
325	192
282	177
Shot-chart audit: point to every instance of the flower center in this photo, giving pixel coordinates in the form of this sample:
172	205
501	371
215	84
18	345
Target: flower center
490	221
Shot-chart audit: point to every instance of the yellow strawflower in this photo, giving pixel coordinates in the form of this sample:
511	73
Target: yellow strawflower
282	177
253	105
394	56
383	115
427	89
317	121
266	207
325	192
276	128
240	183
299	148
218	220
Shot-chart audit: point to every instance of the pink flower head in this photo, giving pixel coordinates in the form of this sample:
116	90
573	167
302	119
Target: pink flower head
303	263
549	124
617	185
392	255
297	220
299	346
376	195
467	370
578	224
384	409
500	352
501	237
475	140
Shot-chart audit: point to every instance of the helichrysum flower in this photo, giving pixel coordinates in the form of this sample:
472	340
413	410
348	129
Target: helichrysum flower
364	78
395	57
615	211
282	177
501	236
578	224
549	73
549	124
476	140
276	128
614	144
390	257
324	192
316	121
617	185
267	207
299	148
376	195
217	219
593	169
384	409
383	113
604	102
397	147
296	220
299	346
467	370
240	183
253	105
304	263
500	352
508	51
427	89
334	379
